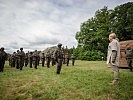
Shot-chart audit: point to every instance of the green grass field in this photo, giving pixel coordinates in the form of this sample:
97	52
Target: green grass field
87	80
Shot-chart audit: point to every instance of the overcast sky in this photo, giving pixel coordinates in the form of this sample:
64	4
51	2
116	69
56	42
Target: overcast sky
38	24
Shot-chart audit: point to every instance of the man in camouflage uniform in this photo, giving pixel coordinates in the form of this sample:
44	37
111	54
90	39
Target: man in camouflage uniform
21	58
73	59
17	59
26	59
48	58
3	58
30	59
52	60
129	57
38	61
13	59
58	54
35	59
67	59
43	59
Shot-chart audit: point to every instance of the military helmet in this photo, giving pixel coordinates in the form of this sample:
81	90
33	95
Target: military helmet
59	44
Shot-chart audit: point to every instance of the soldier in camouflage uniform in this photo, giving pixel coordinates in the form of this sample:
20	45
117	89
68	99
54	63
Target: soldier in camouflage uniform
129	57
13	59
73	59
58	54
30	59
48	58
52	60
67	59
3	58
21	55
35	59
26	59
17	59
43	59
38	61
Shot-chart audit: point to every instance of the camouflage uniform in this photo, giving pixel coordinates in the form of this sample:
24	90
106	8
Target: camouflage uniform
26	59
30	59
129	57
21	55
17	59
35	59
48	60
38	60
67	59
13	59
58	54
43	59
73	59
3	57
52	60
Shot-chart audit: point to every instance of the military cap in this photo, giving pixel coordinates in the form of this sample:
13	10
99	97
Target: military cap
21	48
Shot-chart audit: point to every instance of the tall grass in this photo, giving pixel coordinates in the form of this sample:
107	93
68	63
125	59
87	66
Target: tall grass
87	80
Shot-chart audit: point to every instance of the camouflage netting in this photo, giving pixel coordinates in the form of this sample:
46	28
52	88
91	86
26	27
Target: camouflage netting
49	50
123	45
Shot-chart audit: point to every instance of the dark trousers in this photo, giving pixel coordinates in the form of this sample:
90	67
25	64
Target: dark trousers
48	63
59	66
2	66
17	64
67	61
73	62
43	61
36	63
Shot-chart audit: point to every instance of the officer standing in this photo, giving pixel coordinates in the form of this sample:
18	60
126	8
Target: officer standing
58	54
129	57
3	58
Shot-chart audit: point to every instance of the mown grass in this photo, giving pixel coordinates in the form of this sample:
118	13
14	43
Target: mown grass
87	80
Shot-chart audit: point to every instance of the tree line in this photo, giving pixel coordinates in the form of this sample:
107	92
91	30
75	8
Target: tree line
93	35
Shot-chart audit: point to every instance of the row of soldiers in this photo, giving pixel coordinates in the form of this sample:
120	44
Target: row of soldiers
19	59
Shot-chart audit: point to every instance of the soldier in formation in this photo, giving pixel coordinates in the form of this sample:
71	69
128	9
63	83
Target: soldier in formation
73	59
58	54
35	59
17	59
21	55
3	58
43	59
26	59
52	60
30	59
13	58
48	58
67	59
